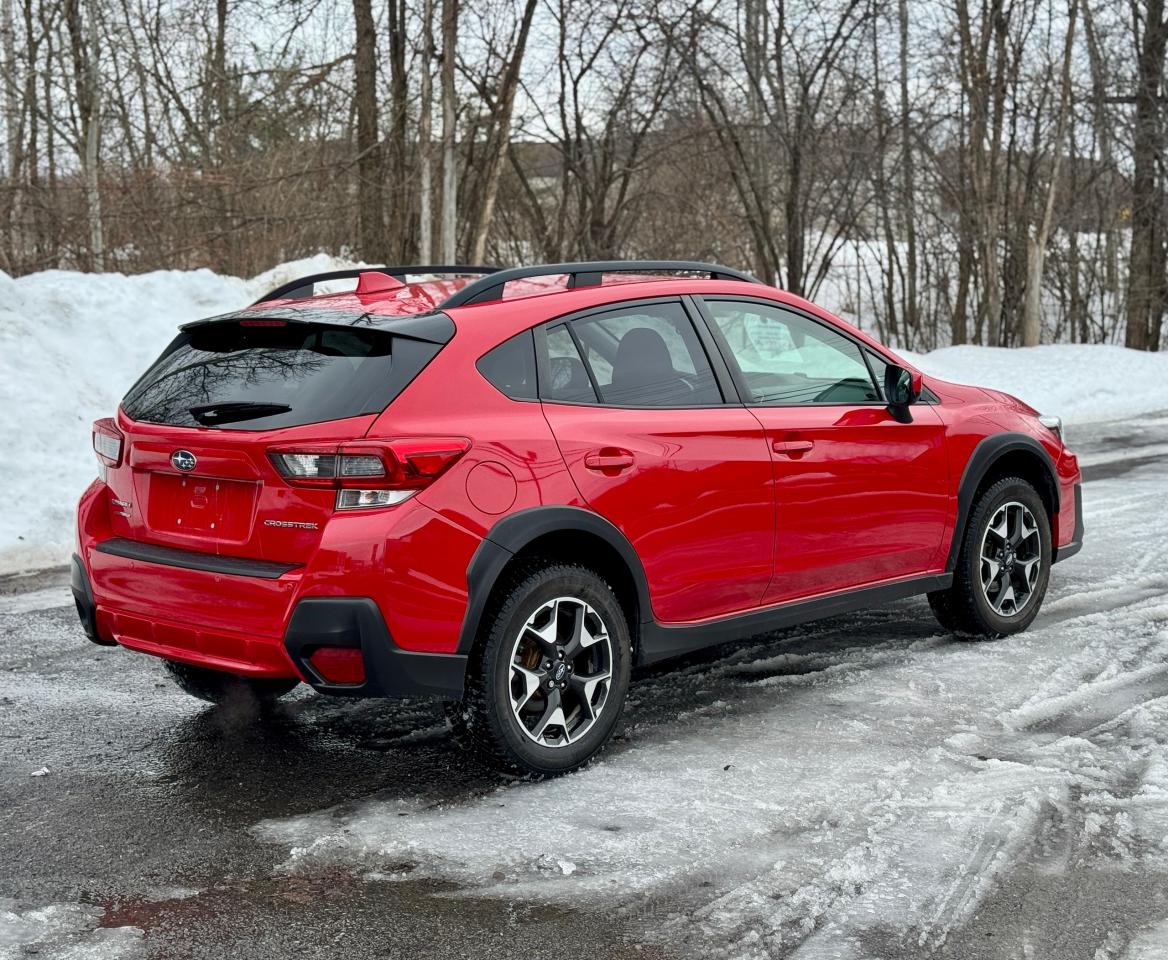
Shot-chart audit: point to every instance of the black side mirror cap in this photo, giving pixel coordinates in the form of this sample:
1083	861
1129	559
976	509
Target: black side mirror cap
901	387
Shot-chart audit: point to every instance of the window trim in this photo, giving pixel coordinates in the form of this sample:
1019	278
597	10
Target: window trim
736	370
722	377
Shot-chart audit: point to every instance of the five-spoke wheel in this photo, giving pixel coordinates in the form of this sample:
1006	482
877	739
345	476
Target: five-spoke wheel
547	683
1011	558
1003	564
561	665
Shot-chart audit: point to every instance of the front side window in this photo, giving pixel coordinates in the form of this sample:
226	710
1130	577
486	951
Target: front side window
784	358
647	355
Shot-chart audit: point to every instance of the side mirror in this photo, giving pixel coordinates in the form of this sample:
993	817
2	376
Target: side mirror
901	387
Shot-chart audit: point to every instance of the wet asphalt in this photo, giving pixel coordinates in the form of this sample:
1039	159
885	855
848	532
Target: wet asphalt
145	809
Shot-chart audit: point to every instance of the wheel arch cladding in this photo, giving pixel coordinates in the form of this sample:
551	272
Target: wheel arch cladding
998	456
557	534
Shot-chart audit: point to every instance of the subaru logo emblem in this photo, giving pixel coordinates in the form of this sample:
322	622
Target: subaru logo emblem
183	460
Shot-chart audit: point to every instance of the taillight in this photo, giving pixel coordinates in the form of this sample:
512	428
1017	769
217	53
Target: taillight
370	474
107	443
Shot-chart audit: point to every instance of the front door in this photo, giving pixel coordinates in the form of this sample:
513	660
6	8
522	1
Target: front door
860	497
632	400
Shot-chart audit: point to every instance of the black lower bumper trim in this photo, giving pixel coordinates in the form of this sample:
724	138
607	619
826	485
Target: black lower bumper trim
1070	549
389	670
83	598
193	560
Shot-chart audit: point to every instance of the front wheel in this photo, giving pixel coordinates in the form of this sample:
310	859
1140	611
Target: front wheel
1003	566
547	683
215	686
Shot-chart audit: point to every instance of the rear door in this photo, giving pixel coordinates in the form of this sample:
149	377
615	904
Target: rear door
200	424
632	398
860	496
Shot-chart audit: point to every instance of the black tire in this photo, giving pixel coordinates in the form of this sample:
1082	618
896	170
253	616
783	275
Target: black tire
484	721
215	686
966	608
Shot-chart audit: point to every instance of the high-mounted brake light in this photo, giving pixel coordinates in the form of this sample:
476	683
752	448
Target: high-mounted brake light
107	442
371	474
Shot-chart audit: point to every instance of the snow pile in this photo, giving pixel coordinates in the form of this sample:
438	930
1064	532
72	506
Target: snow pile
71	344
63	930
1079	382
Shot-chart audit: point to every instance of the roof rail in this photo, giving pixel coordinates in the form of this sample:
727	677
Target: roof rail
583	274
302	288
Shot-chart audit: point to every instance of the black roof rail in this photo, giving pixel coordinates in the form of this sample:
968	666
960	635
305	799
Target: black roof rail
303	287
583	274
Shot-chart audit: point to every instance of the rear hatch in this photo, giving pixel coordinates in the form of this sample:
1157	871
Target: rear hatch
200	425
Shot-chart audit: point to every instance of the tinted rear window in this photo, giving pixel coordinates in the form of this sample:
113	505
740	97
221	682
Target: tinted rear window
259	377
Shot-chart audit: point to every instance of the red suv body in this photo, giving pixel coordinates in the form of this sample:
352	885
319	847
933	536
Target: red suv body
340	489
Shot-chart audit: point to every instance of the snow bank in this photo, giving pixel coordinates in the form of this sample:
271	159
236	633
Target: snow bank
1079	382
72	343
70	346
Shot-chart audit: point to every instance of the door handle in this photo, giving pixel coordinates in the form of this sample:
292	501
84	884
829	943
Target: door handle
792	448
608	460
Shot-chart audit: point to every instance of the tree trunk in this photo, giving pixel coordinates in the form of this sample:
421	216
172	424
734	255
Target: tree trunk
449	123
425	135
1036	244
84	50
501	135
396	215
1145	303
370	209
908	174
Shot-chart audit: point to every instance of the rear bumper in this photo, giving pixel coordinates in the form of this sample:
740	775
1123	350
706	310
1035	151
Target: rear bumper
356	622
353	622
362	589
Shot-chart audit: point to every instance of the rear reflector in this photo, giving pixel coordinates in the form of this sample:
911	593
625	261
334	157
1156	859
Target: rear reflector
339	664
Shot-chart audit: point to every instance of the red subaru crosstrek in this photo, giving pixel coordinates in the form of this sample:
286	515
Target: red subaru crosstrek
507	491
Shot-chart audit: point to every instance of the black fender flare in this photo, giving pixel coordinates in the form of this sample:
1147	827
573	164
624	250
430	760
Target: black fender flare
988	452
511	534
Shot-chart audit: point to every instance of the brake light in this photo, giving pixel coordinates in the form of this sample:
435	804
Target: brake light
371	474
107	442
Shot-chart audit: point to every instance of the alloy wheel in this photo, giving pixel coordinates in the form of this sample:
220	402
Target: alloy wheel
1011	559
560	672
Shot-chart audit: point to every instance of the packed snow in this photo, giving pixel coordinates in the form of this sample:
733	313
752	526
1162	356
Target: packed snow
849	791
63	931
72	343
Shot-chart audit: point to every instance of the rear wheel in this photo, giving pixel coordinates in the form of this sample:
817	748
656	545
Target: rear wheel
1003	566
547	683
215	686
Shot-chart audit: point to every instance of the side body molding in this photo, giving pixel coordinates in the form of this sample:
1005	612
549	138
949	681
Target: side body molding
511	534
984	456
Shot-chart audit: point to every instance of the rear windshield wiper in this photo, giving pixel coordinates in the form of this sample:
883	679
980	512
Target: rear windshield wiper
235	411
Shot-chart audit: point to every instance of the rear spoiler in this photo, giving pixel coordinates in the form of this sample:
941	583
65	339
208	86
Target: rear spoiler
432	327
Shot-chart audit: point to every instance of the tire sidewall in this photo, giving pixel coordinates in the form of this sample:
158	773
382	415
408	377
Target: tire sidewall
527	597
995	497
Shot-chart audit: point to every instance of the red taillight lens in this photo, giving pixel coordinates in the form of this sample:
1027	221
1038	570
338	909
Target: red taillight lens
369	473
339	664
107	442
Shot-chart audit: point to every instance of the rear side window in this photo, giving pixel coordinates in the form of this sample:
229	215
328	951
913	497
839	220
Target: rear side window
647	355
510	367
567	377
260	377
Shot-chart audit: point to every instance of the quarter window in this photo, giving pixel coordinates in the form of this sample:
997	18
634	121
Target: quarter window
510	367
786	359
